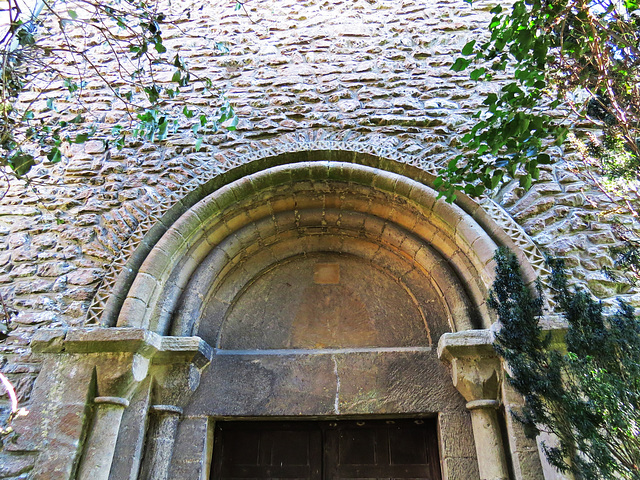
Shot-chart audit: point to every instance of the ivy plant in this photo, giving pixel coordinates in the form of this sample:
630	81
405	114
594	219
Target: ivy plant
48	59
565	62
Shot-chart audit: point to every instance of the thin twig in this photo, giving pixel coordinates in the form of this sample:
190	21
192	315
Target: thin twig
11	392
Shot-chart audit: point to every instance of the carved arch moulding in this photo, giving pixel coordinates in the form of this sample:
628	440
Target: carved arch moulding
218	172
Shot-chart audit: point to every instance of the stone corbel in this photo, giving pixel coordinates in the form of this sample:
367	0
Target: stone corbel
476	373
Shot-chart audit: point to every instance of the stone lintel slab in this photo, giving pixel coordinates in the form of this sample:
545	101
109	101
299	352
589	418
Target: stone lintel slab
324	382
121	340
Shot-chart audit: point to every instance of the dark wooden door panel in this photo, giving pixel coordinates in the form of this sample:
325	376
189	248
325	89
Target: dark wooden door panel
365	450
270	450
395	449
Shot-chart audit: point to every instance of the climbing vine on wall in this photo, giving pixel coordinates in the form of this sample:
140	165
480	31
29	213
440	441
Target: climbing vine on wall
53	57
584	390
569	65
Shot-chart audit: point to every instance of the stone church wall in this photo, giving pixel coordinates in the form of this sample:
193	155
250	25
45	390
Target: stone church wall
370	77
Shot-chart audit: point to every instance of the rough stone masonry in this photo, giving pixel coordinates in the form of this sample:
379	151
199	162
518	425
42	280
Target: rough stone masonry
357	77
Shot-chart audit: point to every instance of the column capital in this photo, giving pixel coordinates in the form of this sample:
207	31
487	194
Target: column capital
476	372
476	367
173	384
123	356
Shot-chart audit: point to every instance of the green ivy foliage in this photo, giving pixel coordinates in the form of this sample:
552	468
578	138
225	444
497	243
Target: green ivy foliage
566	61
34	54
587	393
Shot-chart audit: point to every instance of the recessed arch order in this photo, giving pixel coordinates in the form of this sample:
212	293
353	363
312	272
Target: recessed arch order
218	247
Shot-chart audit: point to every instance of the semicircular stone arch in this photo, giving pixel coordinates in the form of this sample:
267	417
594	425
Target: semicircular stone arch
228	240
323	287
489	216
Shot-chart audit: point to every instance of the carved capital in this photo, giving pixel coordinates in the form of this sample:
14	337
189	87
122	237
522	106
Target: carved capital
475	366
174	384
123	357
118	374
176	369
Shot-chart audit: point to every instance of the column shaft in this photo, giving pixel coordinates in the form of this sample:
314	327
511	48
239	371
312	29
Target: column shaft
101	442
162	434
492	462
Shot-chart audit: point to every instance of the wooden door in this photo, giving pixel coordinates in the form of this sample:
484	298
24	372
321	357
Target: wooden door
372	449
275	450
397	449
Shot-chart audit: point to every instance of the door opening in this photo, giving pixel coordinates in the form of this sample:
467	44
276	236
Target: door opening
328	450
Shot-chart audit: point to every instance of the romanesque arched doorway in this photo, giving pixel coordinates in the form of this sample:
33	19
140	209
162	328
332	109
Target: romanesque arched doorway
324	288
312	290
322	299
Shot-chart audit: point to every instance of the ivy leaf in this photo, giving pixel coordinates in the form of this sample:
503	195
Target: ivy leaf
81	138
21	163
496	179
468	48
544	159
72	14
160	48
525	181
55	155
477	73
162	129
233	125
460	64
198	144
70	85
153	93
188	113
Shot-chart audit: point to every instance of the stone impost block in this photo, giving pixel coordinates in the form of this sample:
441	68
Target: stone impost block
185	350
96	340
140	341
469	343
555	326
48	341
